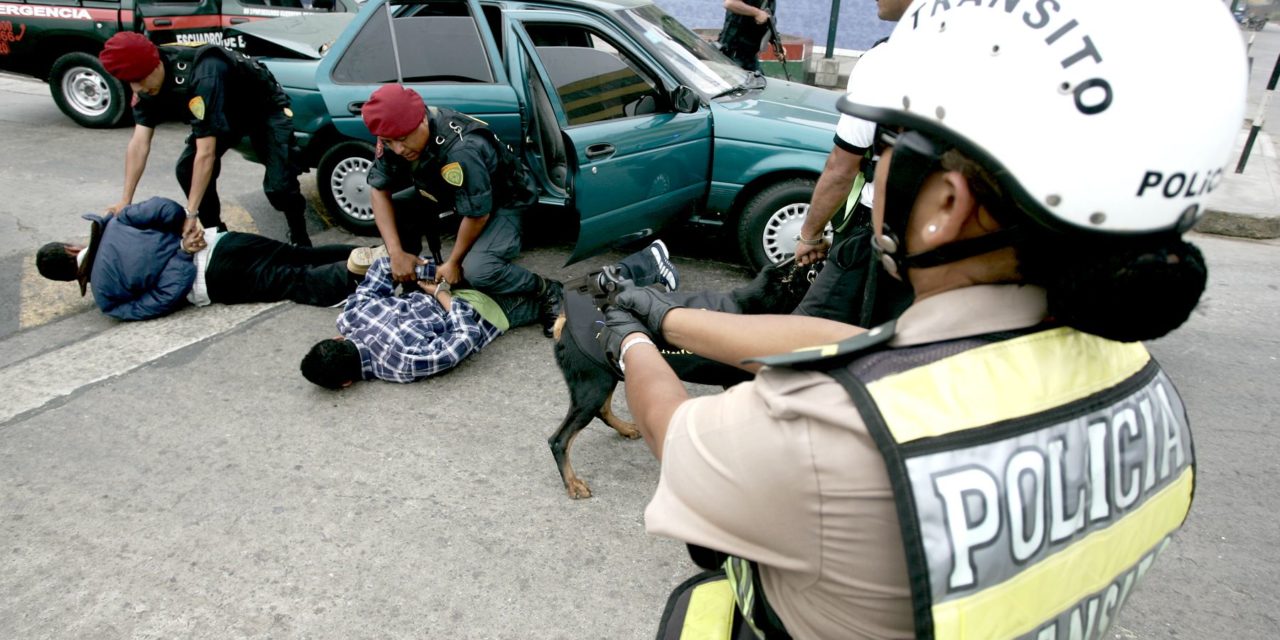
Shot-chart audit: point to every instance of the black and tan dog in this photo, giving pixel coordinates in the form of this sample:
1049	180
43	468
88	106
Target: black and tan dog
592	379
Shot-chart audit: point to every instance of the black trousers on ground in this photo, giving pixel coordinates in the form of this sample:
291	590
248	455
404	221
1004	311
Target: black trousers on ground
245	267
272	140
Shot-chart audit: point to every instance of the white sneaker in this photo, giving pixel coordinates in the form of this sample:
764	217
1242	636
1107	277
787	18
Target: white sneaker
363	257
667	274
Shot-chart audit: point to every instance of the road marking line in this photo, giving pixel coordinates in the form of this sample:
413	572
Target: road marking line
33	383
237	218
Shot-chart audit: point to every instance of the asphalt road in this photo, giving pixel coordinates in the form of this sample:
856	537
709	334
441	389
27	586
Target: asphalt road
179	478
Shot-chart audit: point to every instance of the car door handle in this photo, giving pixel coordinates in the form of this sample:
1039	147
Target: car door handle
163	22
355	107
239	20
601	150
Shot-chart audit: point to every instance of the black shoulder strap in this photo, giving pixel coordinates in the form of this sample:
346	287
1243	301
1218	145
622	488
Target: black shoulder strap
918	578
828	356
182	59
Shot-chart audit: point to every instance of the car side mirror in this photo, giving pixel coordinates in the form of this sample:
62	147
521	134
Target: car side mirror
684	100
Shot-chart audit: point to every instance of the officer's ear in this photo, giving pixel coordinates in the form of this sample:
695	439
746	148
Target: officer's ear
943	211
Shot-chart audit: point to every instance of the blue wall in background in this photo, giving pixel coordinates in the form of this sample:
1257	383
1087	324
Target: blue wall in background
857	28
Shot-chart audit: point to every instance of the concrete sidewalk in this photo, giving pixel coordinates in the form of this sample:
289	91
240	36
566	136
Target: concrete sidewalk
1247	204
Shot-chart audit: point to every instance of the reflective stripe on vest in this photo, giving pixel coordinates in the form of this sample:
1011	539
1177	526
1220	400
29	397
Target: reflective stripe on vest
1037	477
740	574
710	613
845	216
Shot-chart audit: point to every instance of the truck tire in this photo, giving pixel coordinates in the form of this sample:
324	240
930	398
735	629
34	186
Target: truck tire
87	93
342	179
771	220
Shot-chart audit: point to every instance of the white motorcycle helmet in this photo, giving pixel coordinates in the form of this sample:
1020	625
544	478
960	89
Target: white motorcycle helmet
1096	116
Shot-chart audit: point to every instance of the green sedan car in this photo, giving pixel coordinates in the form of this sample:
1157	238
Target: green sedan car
630	121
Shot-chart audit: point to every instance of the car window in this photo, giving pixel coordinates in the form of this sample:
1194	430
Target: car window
698	64
595	79
493	15
438	42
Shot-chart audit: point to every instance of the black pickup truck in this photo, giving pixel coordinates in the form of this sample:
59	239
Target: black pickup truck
58	41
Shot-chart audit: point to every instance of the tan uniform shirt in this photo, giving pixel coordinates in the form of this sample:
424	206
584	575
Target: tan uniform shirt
781	470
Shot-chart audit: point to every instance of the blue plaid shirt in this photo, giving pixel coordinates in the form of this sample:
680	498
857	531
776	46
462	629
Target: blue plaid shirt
401	339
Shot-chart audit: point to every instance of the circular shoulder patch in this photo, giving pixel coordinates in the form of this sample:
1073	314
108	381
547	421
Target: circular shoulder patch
196	105
452	173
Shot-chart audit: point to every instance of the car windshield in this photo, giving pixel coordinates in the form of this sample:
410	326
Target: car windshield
698	64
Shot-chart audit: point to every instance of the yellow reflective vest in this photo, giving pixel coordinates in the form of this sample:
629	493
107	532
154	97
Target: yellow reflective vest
1037	475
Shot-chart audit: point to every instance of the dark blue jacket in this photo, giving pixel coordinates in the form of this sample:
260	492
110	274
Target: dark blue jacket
141	270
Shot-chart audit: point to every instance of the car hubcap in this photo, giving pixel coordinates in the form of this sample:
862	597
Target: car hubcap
86	91
349	183
780	232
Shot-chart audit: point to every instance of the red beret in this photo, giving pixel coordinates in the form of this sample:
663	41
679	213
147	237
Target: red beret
393	111
129	56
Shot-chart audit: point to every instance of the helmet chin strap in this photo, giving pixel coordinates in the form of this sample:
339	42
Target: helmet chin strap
915	156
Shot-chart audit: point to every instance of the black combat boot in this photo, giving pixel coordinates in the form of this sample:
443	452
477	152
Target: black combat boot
298	235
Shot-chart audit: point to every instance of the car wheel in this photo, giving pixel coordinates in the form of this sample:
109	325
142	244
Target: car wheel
87	93
343	182
771	220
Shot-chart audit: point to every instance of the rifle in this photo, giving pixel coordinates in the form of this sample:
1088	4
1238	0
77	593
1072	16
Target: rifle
776	41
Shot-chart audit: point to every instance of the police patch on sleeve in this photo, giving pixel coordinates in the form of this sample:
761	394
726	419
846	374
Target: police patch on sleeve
452	173
196	105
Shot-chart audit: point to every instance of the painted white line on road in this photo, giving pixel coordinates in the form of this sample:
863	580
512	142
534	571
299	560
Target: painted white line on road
35	382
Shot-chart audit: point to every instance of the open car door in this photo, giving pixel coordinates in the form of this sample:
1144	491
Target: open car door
625	153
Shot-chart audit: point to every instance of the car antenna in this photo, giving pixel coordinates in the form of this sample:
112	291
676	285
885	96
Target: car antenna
395	50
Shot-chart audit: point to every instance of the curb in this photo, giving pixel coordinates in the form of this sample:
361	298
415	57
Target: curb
1247	205
1239	225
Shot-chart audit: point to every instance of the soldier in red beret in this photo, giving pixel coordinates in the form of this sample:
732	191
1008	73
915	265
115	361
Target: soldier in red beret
224	96
454	162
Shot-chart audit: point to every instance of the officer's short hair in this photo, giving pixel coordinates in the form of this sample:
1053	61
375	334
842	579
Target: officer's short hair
54	262
332	363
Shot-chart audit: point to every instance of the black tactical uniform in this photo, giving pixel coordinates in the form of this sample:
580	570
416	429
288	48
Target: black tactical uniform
741	37
466	169
228	95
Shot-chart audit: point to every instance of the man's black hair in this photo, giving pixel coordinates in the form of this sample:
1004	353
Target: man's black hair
54	263
332	363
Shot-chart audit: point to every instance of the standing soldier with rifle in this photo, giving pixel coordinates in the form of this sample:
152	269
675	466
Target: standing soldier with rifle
746	22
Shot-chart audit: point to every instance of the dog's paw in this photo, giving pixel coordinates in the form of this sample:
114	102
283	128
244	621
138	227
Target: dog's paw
577	489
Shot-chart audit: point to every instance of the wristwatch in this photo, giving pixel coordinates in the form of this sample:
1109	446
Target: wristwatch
443	287
190	214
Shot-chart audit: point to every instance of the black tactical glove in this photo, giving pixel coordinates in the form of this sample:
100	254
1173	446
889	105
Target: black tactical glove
618	324
647	303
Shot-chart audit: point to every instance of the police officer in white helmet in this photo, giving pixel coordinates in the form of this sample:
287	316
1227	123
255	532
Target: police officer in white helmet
1005	460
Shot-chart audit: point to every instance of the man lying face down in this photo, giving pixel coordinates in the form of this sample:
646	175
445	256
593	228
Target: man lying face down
405	338
140	266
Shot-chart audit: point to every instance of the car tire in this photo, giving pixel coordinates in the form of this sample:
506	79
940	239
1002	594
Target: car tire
342	179
771	220
87	93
